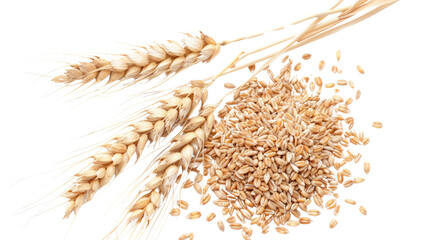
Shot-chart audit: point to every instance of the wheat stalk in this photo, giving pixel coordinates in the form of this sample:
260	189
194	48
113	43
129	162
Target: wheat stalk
187	146
159	122
321	30
145	63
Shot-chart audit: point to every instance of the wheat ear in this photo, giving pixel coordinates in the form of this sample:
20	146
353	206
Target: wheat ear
145	63
187	146
158	123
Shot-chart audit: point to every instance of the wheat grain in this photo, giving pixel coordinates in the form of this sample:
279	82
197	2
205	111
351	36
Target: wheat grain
210	217
337	210
366	167
220	225
229	85
292	223
362	209
254	134
145	63
251	125
377	124
297	67
194	215
350	201
188	184
330	85
183	236
321	65
306	56
318	81
358	93
197	188
175	212
333	223
282	230
182	204
342	82
331	203
360	69
358	180
338	55
313	212
304	220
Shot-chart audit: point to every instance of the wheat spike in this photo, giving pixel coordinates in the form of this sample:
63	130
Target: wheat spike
159	122
145	63
186	147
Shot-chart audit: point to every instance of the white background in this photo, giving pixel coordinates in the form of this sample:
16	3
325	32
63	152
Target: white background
37	131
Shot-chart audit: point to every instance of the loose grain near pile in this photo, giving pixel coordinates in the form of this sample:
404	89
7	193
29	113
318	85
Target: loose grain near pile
333	223
362	209
377	124
366	167
277	148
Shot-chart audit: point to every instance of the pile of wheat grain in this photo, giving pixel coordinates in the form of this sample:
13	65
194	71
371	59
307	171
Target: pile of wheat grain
278	147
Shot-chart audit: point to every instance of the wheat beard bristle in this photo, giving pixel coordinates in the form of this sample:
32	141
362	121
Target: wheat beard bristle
159	122
145	63
186	147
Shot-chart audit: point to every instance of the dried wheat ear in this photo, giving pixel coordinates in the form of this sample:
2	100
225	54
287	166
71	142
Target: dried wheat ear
158	123
184	149
145	63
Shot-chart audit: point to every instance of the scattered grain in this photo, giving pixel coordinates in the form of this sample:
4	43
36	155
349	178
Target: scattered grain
193	215
297	67
313	212
350	201
333	223
336	210
342	82
357	94
360	69
282	230
362	209
366	167
306	56
330	85
292	223
220	225
229	85
321	65
183	204
175	212
377	124
358	180
210	217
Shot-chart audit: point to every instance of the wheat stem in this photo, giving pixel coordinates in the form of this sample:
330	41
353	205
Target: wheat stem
315	15
321	31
